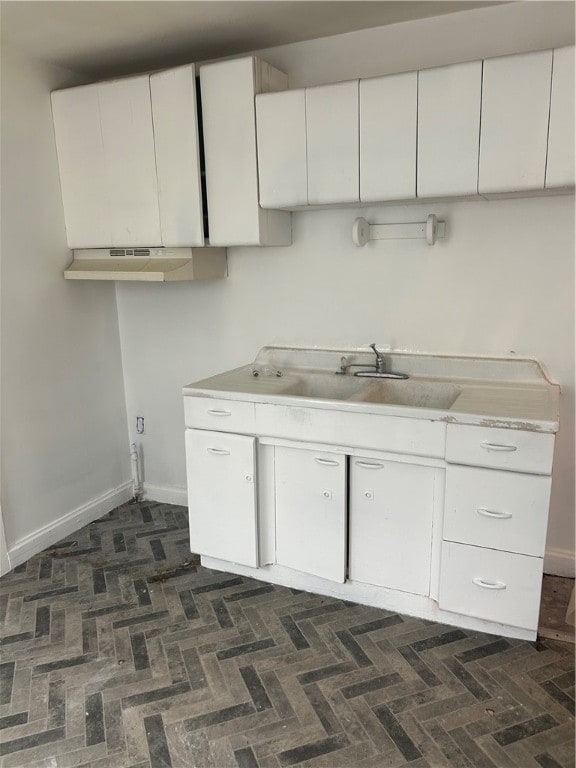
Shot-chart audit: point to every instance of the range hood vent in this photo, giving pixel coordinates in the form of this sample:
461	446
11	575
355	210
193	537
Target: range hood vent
147	264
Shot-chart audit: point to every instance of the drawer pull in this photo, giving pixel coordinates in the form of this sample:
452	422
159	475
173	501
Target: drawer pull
494	513
489	584
327	462
215	412
219	451
498	447
369	465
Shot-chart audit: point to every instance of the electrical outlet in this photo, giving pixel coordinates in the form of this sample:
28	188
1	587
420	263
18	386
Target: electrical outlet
140	425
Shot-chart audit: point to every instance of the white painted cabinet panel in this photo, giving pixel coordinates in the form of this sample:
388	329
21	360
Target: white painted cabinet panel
449	100
388	107
391	514
83	178
515	112
311	512
496	509
228	89
510	449
222	496
105	145
333	143
492	585
560	164
173	94
282	171
128	137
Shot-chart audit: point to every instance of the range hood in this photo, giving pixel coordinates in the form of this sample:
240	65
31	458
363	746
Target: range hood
147	264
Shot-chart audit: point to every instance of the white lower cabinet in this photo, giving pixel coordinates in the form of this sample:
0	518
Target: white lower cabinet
422	534
221	470
311	512
488	584
391	514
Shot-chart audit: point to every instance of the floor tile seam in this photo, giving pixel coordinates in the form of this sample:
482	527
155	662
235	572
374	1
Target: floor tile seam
40	723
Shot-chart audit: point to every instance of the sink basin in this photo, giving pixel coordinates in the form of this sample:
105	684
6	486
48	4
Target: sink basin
331	386
327	386
417	394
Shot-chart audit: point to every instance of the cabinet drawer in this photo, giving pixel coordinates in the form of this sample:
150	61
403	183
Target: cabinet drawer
500	510
500	448
492	585
219	415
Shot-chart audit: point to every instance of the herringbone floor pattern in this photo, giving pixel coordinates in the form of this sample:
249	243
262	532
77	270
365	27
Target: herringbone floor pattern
120	650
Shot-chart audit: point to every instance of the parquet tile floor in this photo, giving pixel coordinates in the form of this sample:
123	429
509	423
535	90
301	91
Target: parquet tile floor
118	650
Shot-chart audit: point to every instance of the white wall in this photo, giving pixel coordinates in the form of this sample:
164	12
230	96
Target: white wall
501	283
64	437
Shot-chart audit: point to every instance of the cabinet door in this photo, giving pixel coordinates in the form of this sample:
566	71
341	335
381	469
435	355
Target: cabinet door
514	133
391	512
85	189
388	137
449	101
128	138
281	123
560	164
220	470
311	512
173	95
333	139
228	89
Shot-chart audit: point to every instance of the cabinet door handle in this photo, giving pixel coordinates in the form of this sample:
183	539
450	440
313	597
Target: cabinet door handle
497	447
217	412
219	451
327	462
495	513
489	584
369	464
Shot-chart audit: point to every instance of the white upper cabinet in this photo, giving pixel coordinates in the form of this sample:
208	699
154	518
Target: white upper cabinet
332	141
173	95
515	112
129	161
228	89
128	138
83	177
388	116
449	130
105	144
560	165
281	132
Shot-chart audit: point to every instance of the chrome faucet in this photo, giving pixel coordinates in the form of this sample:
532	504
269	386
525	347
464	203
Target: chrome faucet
378	371
380	361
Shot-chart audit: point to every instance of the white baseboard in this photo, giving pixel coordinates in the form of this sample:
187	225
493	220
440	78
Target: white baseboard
69	523
167	494
559	562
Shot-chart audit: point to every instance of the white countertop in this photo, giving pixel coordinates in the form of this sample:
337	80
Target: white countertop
495	392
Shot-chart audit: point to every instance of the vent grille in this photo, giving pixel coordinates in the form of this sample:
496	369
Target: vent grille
139	252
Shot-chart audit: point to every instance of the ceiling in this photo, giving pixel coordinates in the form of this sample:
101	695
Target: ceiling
108	37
